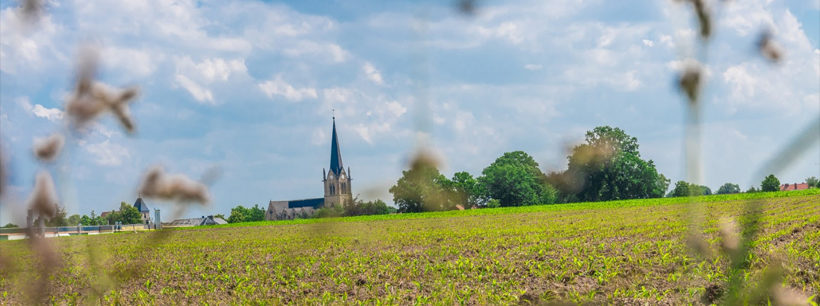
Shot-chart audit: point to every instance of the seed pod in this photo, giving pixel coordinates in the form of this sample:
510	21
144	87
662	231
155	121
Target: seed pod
689	81
174	187
769	48
47	149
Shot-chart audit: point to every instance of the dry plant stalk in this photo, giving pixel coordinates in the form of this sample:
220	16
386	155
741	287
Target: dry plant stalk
690	80
43	199
31	10
173	187
91	98
47	149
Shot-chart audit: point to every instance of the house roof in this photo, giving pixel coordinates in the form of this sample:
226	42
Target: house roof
141	206
336	165
795	186
315	203
204	220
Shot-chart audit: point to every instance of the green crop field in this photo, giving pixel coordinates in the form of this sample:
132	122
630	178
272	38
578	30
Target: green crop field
624	252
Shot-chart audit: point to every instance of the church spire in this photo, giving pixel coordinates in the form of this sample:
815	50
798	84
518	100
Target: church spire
335	152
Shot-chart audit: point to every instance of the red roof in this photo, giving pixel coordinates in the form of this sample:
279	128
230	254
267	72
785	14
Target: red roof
795	186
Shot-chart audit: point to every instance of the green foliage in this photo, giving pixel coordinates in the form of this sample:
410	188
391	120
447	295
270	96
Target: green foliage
515	180
92	220
10	225
813	182
684	189
770	183
728	188
608	167
361	208
329	212
242	214
423	188
493	203
74	219
467	190
752	189
129	214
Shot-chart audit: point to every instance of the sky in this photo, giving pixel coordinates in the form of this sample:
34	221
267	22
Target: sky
250	87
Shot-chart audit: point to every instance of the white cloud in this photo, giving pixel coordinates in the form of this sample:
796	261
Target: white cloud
337	95
278	87
372	74
648	43
107	153
199	93
52	114
26	47
533	67
212	69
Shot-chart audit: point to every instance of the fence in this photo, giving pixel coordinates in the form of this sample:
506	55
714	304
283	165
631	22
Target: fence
21	233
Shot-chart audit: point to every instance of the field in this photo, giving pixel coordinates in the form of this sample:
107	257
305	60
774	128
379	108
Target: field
625	252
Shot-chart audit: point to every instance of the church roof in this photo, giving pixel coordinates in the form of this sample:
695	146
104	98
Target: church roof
335	152
141	206
315	203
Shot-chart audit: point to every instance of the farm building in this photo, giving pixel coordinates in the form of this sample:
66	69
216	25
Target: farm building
209	220
795	186
336	185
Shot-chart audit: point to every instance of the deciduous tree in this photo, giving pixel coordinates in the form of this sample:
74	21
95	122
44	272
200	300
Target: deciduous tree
770	183
515	180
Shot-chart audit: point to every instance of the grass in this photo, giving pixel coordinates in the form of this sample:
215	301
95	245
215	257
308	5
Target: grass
607	252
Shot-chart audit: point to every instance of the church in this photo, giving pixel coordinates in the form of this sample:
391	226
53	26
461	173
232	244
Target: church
336	185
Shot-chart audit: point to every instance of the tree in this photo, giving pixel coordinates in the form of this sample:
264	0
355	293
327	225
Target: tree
608	167
59	218
129	214
242	214
515	180
238	214
770	183
469	192
751	190
420	188
681	189
684	189
10	225
74	219
813	182
728	188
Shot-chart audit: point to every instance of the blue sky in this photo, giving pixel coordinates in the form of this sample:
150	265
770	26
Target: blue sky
248	87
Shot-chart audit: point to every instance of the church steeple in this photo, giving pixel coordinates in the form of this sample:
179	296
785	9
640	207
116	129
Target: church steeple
335	153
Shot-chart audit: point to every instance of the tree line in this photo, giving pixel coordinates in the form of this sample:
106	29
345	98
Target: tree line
607	166
127	214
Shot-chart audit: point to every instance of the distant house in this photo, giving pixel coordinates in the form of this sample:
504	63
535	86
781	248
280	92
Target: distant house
209	220
795	186
145	213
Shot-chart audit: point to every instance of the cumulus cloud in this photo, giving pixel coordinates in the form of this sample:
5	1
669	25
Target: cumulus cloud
278	87
372	74
200	93
533	67
52	114
107	153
